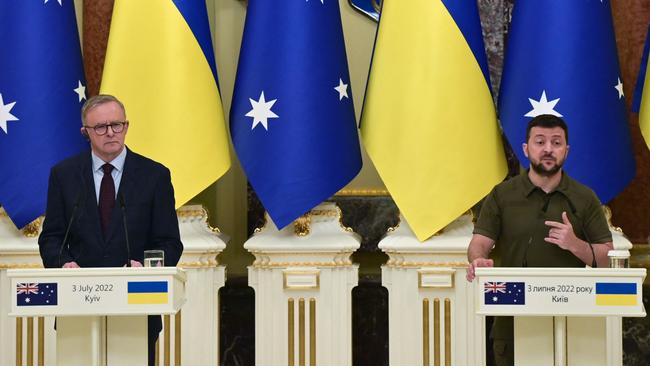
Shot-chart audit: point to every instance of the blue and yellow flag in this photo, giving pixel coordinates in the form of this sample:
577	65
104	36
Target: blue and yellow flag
160	63
42	89
641	103
616	294
292	119
428	121
147	292
561	59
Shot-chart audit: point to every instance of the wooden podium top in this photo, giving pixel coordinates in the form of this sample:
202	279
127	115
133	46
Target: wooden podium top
96	291
560	291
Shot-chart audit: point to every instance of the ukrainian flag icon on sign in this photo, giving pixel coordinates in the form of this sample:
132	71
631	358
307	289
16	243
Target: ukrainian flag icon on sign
148	292
616	294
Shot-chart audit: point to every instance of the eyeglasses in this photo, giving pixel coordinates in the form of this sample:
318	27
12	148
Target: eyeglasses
116	127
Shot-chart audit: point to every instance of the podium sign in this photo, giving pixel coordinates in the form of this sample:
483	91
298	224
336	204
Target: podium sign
560	292
563	316
96	291
102	312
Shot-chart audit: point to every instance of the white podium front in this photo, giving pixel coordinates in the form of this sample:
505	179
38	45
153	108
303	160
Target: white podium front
101	312
563	316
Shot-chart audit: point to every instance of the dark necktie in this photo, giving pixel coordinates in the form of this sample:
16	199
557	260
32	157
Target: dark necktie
106	197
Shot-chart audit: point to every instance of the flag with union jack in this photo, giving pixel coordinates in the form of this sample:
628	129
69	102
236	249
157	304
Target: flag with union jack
36	294
504	293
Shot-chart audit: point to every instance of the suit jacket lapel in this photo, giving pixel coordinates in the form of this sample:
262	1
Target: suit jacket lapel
90	205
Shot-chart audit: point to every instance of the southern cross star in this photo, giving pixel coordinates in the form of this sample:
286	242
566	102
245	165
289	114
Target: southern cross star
619	88
261	111
543	106
342	89
5	114
81	91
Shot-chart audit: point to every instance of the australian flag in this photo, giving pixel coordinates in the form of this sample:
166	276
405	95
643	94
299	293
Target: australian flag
36	294
561	59
292	119
42	89
504	293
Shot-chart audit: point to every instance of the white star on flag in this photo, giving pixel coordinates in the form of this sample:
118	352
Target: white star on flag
81	91
619	88
5	114
543	106
261	111
342	89
321	1
59	1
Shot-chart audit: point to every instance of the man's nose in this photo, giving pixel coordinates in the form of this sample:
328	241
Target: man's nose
109	130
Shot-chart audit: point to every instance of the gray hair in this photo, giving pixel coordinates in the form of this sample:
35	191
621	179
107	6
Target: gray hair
98	100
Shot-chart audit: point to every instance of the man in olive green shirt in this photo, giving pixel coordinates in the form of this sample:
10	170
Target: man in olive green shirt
541	218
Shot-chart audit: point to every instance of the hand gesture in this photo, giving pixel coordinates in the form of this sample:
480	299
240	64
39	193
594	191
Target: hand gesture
561	233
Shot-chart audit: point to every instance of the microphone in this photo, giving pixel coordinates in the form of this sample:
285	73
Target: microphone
126	230
67	229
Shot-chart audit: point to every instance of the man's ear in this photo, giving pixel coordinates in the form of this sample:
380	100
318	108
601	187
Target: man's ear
524	147
84	133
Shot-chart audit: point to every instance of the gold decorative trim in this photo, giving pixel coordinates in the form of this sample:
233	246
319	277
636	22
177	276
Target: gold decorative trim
302	264
30	341
394	263
447	332
286	274
187	212
291	332
312	332
211	263
302	225
451	275
157	358
32	229
177	338
301	332
166	344
436	332
425	333
41	341
362	192
19	341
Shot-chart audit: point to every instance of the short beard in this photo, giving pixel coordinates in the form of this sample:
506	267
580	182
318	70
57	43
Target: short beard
541	170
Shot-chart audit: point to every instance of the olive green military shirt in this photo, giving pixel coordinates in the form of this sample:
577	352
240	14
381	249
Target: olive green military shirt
513	215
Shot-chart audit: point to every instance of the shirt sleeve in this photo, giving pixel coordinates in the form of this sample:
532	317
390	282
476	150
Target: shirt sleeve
489	218
595	223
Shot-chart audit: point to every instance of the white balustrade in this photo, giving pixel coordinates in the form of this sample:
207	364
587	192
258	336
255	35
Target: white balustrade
303	278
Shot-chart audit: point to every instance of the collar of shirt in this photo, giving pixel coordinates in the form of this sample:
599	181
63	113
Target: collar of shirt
98	173
529	187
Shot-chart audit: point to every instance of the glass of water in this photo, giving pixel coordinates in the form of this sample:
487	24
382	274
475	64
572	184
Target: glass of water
154	258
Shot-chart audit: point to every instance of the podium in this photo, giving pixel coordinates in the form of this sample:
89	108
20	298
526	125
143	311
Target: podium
101	312
563	316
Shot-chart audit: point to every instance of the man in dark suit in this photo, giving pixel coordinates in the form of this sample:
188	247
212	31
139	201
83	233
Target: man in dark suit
93	191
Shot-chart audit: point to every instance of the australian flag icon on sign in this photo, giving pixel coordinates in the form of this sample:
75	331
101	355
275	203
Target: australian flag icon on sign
36	294
504	293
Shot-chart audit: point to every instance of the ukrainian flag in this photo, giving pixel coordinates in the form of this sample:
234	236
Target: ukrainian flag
160	63
148	292
641	102
613	294
428	121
